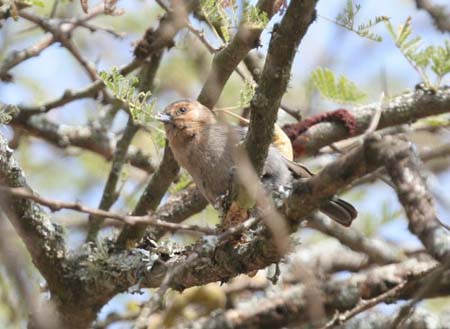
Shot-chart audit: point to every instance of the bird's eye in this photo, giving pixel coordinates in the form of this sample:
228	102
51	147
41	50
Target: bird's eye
182	110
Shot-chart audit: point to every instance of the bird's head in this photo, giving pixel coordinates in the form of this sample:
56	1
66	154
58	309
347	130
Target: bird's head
185	118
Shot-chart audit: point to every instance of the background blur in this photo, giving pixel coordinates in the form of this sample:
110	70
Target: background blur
73	174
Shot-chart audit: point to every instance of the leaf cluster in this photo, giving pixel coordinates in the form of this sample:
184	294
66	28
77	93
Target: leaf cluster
254	18
339	90
434	58
218	18
346	19
222	17
140	104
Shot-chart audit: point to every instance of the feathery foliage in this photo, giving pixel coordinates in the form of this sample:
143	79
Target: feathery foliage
140	104
339	90
346	19
11	7
434	58
223	15
216	15
254	18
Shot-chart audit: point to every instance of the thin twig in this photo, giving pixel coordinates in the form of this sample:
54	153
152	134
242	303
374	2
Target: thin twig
69	96
431	280
364	305
149	219
376	116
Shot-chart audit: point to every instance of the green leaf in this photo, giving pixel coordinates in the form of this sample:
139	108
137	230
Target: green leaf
140	104
340	90
346	19
216	15
440	58
436	58
254	17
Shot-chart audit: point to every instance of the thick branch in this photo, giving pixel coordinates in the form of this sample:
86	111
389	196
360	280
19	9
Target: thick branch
180	207
85	137
439	14
307	195
290	305
151	197
226	61
227	260
274	78
43	239
110	192
403	167
420	318
398	110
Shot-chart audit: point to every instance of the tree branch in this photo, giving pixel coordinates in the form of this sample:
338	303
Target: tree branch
290	305
151	197
226	60
55	205
84	137
403	167
438	13
181	206
43	239
378	250
274	78
110	193
398	110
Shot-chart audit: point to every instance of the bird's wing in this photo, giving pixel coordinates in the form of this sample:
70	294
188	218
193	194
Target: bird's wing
298	170
337	209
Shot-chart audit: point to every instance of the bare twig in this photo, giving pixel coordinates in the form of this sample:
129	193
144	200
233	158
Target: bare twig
151	197
70	96
110	193
378	250
430	281
364	305
55	205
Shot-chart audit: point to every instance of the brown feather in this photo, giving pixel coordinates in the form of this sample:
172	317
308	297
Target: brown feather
204	147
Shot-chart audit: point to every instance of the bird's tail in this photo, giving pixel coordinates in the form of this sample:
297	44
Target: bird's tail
339	210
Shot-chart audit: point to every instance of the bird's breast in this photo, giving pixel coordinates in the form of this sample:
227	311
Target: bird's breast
208	162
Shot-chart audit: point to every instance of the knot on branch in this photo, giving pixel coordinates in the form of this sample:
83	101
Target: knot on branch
145	46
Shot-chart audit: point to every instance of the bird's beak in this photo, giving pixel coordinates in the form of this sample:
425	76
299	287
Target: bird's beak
163	117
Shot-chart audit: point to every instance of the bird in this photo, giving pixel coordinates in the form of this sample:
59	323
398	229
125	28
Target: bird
204	147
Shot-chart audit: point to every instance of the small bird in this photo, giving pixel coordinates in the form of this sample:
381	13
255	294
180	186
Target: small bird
204	147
